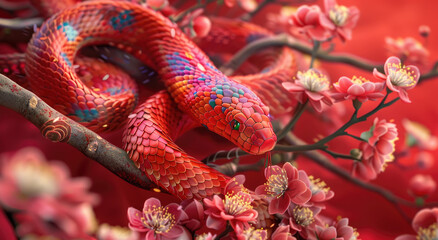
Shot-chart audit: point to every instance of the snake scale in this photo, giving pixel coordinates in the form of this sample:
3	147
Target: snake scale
197	93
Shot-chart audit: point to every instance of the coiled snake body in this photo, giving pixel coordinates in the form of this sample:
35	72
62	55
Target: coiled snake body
196	92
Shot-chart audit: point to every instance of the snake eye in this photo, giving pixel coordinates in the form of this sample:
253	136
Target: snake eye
235	124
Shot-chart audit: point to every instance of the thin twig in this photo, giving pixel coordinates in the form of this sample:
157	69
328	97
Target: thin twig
180	16
59	128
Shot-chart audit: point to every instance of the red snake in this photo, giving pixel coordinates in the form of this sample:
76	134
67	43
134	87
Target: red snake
197	93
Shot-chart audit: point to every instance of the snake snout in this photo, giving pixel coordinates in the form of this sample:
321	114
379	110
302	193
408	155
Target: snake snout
264	139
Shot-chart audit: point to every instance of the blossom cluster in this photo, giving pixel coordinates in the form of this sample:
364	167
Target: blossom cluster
290	194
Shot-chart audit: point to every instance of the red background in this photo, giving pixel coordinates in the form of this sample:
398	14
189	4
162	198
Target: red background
372	215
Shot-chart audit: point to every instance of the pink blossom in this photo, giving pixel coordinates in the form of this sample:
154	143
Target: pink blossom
107	232
310	86
320	191
250	234
424	30
341	20
421	185
358	88
157	221
338	230
311	22
424	160
419	135
157	4
206	236
284	186
201	26
377	152
235	208
195	214
408	49
27	176
46	216
301	219
248	5
425	223
399	78
282	233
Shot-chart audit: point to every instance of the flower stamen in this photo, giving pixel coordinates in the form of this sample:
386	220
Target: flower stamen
158	219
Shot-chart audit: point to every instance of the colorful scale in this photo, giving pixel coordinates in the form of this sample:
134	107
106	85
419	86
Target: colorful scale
197	92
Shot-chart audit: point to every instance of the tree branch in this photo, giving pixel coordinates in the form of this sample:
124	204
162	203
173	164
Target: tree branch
59	128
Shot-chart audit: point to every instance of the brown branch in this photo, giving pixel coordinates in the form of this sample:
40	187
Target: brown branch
325	162
59	128
287	41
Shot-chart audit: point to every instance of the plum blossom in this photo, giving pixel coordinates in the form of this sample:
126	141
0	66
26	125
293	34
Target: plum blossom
419	135
107	232
284	186
235	208
341	20
251	233
195	24
206	236
358	88
27	176
47	216
158	222
377	151
424	160
339	230
408	49
282	233
421	185
398	77
311	23
320	191
301	219
310	85
425	224
424	30
195	214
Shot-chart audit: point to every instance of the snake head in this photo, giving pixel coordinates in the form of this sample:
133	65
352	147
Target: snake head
250	128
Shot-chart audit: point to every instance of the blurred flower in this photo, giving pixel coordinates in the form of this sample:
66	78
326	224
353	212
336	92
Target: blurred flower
49	217
157	4
319	189
248	5
424	30
338	230
399	78
424	160
27	176
201	26
278	22
251	233
311	23
107	232
195	214
282	233
377	151
425	223
206	236
421	185
235	208
342	20
284	186
358	88
408	49
157	221
312	86
419	135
